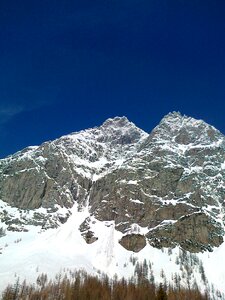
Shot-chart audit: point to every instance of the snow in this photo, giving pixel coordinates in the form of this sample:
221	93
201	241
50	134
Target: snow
132	182
48	251
137	201
214	263
163	223
223	165
172	201
137	229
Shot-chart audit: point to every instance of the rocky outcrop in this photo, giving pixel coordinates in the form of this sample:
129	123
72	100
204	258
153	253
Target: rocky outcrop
41	178
133	242
86	232
192	232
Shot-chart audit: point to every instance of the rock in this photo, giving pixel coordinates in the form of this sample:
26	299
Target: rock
195	232
133	242
89	237
86	232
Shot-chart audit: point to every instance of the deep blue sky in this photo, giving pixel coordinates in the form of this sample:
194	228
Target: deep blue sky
69	65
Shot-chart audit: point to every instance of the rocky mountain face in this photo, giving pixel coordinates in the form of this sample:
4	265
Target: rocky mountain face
166	188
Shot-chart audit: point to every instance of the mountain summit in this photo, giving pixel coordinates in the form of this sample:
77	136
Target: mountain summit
186	130
114	190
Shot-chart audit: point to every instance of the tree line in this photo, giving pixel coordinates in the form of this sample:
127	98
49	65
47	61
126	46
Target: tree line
82	286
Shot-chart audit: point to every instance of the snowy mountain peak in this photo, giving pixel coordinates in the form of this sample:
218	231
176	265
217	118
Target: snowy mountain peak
175	121
120	130
114	131
116	122
111	189
173	115
185	130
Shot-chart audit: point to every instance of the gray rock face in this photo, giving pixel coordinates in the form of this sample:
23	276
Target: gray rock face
170	182
86	232
200	232
133	242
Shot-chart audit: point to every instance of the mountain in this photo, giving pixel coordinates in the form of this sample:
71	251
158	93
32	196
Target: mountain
107	197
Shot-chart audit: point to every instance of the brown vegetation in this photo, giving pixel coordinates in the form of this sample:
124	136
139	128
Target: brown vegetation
81	286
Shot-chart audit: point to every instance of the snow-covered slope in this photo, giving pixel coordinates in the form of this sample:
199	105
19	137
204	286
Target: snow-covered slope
25	255
113	196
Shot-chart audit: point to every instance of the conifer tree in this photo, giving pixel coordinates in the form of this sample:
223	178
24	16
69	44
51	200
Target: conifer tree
161	294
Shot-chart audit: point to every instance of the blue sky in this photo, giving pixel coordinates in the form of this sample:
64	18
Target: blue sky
69	65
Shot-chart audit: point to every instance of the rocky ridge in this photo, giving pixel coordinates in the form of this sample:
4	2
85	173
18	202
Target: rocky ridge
165	188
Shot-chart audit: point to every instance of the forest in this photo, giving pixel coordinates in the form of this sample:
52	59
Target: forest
79	285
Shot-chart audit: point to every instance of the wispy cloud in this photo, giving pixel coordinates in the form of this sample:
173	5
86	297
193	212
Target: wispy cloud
9	111
14	102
